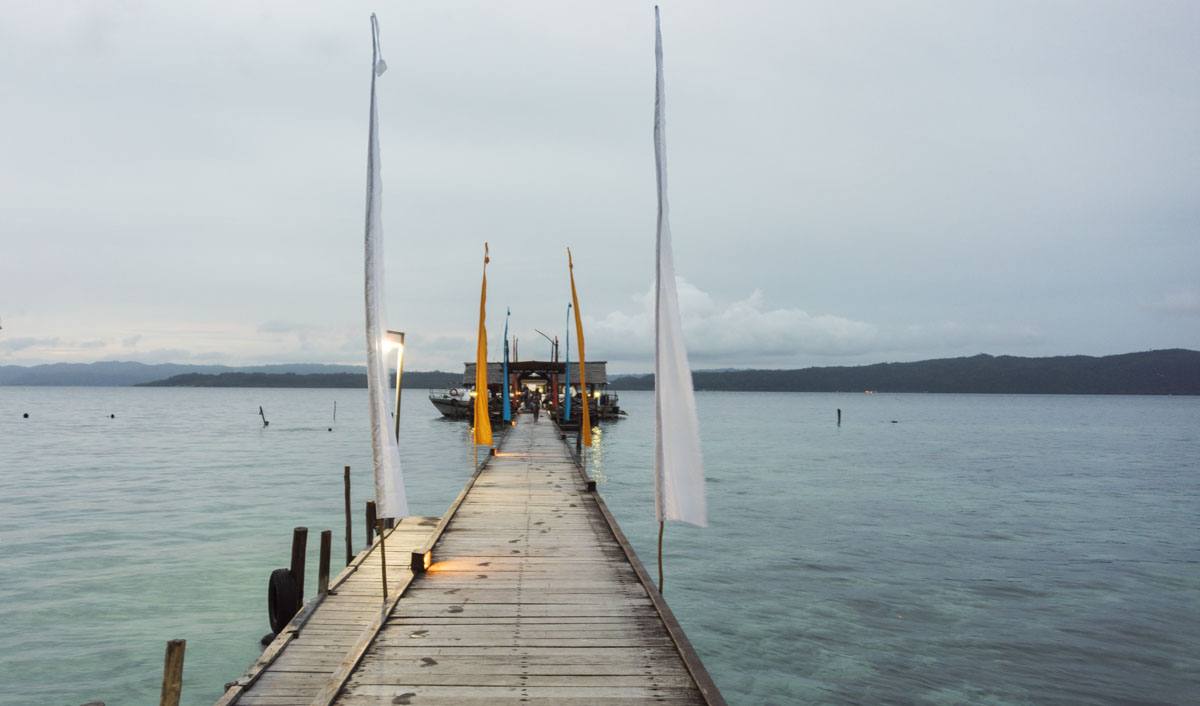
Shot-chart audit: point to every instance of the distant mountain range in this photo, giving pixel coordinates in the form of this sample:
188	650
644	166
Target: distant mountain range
418	380
121	373
1163	372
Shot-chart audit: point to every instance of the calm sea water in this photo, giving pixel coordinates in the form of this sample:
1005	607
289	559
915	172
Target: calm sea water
982	549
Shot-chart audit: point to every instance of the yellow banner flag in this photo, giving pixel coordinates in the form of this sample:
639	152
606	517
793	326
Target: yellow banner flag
585	425
483	423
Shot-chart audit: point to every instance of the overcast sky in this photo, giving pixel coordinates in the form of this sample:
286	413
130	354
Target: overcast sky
850	182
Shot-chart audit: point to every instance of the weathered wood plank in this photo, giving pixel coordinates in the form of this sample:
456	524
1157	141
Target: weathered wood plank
531	598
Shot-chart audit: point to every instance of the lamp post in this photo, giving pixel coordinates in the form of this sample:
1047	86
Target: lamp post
395	339
553	345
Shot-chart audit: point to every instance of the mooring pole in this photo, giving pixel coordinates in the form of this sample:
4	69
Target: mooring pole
839	416
323	567
172	682
346	493
299	554
370	522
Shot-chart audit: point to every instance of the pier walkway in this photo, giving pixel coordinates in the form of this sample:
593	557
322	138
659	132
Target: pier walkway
533	596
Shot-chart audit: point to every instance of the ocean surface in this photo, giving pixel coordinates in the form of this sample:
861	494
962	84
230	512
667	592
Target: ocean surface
933	549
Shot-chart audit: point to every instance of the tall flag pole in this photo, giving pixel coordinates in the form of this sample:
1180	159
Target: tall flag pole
483	423
390	501
585	424
504	394
567	369
678	466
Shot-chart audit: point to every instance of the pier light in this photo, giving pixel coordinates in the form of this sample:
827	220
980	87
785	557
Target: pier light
394	341
595	394
421	561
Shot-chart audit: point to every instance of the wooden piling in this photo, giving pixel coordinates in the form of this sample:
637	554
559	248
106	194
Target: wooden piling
172	681
299	554
370	522
323	567
839	416
346	493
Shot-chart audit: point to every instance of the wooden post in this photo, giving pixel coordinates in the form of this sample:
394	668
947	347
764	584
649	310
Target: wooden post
839	416
349	537
323	567
370	522
172	682
383	559
299	554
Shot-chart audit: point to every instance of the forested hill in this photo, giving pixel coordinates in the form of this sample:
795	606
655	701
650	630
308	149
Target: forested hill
1163	372
412	380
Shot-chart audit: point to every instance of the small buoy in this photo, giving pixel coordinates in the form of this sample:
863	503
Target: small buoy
895	422
25	416
112	416
330	428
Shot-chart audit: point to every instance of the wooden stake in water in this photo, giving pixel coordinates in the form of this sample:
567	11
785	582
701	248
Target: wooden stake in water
172	682
346	493
383	558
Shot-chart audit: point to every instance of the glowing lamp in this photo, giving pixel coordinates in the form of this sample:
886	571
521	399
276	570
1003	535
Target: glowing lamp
421	561
394	341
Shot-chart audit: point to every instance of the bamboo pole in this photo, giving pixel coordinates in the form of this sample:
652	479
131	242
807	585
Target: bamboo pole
172	682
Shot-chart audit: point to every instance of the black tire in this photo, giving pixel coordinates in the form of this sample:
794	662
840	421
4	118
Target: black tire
283	599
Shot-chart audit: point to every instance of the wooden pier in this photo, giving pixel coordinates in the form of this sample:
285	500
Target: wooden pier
532	595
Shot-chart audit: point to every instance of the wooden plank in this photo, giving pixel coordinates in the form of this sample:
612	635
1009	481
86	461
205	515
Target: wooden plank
531	598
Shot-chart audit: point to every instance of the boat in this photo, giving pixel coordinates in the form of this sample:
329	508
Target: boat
541	378
455	403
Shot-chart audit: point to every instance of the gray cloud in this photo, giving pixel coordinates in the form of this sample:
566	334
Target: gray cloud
12	345
1184	301
907	181
751	332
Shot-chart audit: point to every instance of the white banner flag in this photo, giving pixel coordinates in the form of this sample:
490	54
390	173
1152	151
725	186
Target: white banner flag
390	501
678	467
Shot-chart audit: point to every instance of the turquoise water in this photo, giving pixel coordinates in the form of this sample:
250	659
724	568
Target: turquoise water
982	549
